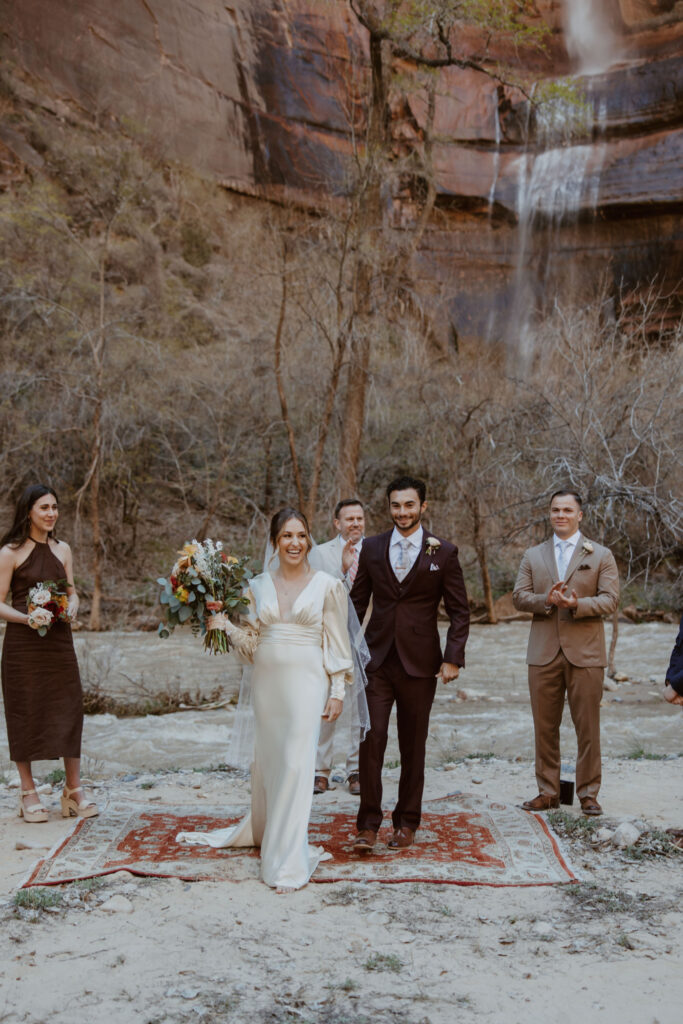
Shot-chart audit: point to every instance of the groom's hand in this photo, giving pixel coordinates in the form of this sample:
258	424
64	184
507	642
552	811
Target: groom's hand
447	672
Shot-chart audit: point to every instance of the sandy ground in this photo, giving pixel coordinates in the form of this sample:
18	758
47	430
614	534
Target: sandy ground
165	951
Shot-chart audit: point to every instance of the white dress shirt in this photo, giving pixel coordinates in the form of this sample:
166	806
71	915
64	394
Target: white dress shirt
570	546
415	546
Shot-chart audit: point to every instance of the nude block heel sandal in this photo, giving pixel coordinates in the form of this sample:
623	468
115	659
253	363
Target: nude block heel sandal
31	814
81	809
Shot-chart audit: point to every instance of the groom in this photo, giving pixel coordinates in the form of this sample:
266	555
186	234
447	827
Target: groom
406	573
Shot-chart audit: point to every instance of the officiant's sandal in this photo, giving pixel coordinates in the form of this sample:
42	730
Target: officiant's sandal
589	805
542	802
81	808
34	813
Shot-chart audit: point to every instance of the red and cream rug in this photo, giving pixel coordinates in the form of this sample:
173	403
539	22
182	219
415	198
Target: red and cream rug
463	840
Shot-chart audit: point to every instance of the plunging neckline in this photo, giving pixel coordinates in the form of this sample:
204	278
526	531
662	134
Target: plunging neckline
294	602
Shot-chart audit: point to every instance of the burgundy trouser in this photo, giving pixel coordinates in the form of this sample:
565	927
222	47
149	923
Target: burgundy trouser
414	697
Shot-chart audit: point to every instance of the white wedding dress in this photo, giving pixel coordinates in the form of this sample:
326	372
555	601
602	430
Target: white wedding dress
297	664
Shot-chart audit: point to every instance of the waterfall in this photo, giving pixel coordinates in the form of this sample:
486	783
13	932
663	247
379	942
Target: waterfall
559	171
590	38
496	157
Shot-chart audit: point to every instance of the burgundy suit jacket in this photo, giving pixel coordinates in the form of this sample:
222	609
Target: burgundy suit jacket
405	614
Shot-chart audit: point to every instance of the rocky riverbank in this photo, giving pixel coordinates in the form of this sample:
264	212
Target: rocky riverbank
162	951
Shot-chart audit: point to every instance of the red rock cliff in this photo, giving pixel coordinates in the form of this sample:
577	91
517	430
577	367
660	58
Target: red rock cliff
258	95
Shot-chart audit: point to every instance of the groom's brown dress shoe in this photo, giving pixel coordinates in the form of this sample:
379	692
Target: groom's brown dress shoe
542	802
402	838
589	805
320	784
364	841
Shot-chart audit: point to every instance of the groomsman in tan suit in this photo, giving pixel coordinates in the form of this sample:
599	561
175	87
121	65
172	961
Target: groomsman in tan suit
339	557
569	583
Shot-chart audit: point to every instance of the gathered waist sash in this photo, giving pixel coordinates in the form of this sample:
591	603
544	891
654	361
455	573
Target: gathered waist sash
291	633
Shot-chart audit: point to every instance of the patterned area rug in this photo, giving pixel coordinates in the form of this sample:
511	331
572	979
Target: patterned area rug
463	841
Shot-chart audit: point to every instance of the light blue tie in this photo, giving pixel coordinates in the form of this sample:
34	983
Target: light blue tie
562	559
401	569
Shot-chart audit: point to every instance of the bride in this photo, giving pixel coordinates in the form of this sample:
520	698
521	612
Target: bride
298	640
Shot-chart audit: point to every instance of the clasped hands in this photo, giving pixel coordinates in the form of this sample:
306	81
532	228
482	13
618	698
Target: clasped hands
42	617
557	595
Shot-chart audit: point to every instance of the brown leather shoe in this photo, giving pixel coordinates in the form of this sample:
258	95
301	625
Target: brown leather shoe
589	805
402	838
542	802
364	841
320	784
354	784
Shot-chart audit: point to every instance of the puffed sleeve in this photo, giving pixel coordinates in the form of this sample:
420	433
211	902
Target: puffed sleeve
244	639
336	644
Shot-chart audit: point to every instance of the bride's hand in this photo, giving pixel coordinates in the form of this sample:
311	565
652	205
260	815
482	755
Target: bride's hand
333	709
219	621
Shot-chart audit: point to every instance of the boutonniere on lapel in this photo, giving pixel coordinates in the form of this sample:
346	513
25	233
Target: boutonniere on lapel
433	545
587	547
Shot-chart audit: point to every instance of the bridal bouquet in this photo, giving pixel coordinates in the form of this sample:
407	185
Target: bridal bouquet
47	602
203	580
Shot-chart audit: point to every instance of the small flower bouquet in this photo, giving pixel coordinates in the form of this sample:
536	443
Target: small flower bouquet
47	603
203	580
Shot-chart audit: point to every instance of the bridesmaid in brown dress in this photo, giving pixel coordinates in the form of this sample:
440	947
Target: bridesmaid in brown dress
41	685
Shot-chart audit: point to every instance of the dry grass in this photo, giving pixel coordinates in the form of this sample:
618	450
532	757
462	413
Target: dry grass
163	702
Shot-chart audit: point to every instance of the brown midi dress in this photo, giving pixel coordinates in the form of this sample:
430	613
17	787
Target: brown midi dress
41	685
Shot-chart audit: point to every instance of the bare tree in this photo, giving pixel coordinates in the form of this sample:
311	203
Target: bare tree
608	424
427	37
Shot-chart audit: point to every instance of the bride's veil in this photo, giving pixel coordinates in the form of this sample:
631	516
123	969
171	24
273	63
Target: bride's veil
240	753
354	720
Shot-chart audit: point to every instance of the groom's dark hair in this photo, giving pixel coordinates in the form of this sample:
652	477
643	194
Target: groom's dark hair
406	483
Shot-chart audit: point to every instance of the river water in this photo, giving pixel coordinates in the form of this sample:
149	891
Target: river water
494	717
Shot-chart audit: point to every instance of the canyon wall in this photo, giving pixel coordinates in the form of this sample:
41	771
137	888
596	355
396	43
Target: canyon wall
261	96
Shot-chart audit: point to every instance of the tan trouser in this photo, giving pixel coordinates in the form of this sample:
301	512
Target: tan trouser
583	686
323	761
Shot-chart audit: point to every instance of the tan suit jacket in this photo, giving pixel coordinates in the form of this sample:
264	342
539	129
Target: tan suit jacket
579	632
328	557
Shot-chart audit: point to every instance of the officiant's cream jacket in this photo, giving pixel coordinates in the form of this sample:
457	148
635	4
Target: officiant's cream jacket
579	633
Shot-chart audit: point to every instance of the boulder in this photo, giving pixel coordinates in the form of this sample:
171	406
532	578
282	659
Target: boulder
625	835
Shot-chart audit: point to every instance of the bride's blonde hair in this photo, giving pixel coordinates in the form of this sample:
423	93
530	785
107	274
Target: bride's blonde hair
277	525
